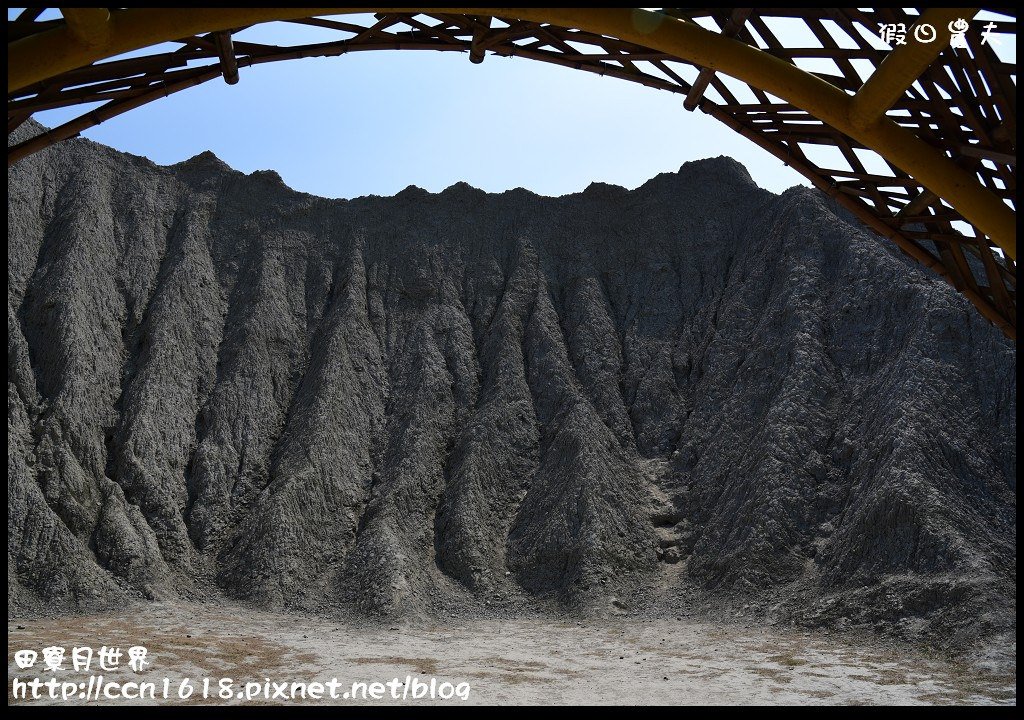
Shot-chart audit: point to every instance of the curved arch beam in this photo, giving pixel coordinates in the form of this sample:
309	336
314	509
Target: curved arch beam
49	53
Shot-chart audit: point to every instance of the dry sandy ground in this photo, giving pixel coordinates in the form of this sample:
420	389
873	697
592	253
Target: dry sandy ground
614	661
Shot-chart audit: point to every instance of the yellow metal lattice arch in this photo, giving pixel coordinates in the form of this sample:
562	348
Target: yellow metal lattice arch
855	115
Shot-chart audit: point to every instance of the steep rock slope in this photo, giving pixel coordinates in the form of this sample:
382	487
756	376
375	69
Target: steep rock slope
692	393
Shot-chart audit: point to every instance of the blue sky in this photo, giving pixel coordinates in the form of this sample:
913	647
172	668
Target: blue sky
376	122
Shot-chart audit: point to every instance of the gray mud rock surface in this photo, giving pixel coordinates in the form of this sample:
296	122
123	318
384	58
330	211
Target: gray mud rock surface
694	396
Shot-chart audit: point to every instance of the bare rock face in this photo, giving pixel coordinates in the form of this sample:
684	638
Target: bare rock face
696	392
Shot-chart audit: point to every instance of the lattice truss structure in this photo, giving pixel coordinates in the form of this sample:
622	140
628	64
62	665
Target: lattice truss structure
960	100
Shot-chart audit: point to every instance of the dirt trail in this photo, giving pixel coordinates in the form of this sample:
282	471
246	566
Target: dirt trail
509	662
666	521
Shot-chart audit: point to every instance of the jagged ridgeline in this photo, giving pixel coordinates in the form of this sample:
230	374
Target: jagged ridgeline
696	392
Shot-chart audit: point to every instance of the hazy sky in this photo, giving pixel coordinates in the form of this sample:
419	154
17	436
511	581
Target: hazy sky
376	122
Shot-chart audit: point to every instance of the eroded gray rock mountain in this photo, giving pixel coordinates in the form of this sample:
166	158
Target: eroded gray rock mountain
694	394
